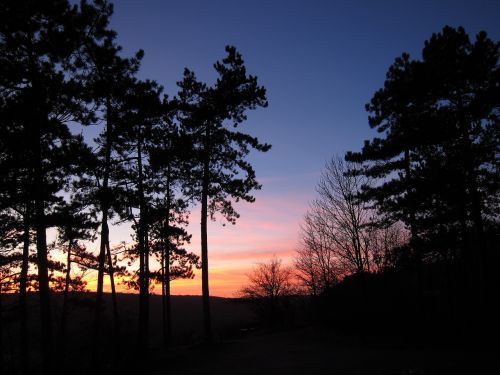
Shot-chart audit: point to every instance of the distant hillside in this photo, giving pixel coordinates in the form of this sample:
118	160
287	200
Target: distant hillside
229	315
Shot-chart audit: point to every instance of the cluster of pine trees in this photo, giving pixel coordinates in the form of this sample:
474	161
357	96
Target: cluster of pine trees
414	216
62	71
437	163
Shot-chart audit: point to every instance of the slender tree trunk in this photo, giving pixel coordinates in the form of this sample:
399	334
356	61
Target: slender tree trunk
163	297
471	195
167	260
23	281
414	240
480	243
417	255
143	287
166	300
354	223
66	291
42	259
100	270
142	328
39	118
146	280
477	245
357	253
367	257
44	290
204	253
104	221
113	290
1	326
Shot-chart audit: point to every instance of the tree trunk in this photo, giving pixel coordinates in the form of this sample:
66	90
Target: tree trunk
417	252
414	239
1	329
473	197
100	270
41	247
163	296
142	319
204	253
23	281
143	287
113	290
66	291
146	280
166	300
104	222
43	283
39	119
480	243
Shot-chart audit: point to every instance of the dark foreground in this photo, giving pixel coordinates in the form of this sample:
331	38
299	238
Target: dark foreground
240	348
310	351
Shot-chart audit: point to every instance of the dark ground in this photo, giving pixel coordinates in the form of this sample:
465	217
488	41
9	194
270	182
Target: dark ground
311	351
243	348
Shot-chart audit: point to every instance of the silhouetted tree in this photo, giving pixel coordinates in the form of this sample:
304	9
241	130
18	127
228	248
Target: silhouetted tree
169	213
142	108
38	46
386	242
75	224
341	235
168	154
108	78
269	280
16	198
219	174
437	158
317	266
269	283
340	217
175	263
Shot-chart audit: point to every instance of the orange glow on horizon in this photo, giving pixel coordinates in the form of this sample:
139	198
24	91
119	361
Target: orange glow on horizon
223	282
265	229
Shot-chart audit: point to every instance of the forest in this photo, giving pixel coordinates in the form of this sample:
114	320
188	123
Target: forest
401	242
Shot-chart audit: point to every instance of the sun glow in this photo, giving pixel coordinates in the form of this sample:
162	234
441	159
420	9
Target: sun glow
266	228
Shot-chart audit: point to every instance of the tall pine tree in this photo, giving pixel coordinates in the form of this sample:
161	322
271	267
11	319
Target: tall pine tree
220	175
437	158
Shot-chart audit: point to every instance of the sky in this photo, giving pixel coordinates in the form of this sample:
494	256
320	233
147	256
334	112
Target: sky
320	61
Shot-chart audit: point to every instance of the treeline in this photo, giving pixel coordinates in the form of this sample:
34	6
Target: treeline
61	70
406	232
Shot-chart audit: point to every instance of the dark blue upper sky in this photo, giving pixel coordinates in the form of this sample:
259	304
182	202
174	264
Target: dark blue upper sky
321	61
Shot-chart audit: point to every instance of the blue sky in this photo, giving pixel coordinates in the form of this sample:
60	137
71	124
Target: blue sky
321	61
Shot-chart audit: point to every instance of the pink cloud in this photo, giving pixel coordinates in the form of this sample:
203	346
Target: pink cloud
266	228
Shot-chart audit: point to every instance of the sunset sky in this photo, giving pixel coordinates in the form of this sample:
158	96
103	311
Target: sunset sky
321	61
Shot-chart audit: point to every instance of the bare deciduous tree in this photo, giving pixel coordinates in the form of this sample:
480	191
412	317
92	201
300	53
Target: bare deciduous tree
270	280
384	241
342	216
270	285
340	234
317	266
